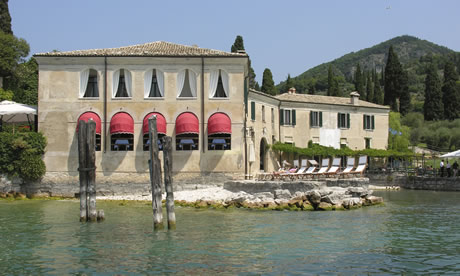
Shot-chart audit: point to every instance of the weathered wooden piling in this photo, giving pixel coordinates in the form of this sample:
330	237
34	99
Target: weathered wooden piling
167	167
155	174
91	167
81	169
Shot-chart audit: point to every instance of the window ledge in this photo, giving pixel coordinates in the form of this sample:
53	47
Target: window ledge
220	99
154	98
186	98
89	98
122	98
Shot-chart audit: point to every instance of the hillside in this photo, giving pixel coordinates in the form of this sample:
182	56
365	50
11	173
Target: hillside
414	54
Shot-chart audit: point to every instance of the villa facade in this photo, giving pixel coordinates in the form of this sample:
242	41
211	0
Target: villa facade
200	98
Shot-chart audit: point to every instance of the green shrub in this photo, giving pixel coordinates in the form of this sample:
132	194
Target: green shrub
20	154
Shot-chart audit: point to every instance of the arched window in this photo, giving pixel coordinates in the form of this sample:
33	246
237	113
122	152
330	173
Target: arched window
122	82
122	132
186	84
153	84
161	130
187	131
219	132
92	116
218	84
88	84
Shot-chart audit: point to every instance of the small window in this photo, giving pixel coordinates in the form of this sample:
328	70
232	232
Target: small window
147	141
98	142
343	120
263	114
368	142
186	142
287	117
220	142
316	119
122	91
253	111
368	122
92	90
122	142
273	115
154	87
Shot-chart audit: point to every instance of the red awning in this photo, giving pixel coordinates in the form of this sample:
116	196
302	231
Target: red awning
219	123
91	115
187	123
122	123
161	123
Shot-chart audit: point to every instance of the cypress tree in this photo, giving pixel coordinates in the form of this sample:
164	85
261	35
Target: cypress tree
335	91
450	92
238	44
5	17
369	88
268	85
289	83
378	93
433	106
359	81
330	78
394	81
404	94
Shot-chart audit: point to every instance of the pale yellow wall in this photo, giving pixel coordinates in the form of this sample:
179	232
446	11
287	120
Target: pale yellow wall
59	108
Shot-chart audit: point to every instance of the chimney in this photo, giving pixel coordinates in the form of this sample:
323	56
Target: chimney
241	52
291	90
354	98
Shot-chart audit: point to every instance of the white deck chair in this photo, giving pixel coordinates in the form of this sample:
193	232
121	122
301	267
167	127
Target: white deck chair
324	167
349	168
362	164
333	170
300	171
309	172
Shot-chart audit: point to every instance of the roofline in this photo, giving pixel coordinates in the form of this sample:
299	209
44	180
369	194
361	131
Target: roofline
167	56
349	105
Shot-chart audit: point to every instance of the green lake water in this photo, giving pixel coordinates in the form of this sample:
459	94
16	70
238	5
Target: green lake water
415	232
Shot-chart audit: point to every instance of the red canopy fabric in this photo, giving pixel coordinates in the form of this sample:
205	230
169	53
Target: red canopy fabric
91	115
187	123
219	123
122	123
161	123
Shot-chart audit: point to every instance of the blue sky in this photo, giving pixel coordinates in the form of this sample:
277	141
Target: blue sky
286	36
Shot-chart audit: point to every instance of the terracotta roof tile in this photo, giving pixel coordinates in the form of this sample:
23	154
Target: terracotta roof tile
152	49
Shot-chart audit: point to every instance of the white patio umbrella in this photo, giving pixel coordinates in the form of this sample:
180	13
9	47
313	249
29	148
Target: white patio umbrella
452	154
12	112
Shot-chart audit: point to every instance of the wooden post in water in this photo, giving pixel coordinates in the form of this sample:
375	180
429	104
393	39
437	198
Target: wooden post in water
91	169
167	166
155	174
81	168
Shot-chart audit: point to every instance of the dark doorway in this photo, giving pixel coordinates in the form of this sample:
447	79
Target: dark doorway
263	154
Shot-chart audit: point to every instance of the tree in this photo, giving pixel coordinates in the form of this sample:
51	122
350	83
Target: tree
433	107
268	85
395	81
12	51
369	88
24	82
450	92
289	84
378	93
330	78
5	18
238	44
359	81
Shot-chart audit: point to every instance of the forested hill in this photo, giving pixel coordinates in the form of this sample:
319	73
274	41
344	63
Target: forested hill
413	53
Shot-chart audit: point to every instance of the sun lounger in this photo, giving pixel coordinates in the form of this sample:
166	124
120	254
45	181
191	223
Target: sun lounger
349	168
324	167
309	172
299	172
362	164
291	171
334	169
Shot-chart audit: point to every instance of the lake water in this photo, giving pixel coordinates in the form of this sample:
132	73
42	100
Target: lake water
416	232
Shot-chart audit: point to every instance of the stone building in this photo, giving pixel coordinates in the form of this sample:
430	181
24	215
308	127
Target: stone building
201	99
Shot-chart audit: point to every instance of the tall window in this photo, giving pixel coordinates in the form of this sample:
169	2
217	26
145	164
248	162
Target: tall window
343	120
219	132
253	111
186	84
263	113
367	143
220	91
122	132
368	122
218	84
154	87
122	89
273	115
146	141
316	119
92	88
287	117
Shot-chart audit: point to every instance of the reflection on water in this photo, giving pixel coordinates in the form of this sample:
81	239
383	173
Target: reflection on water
415	232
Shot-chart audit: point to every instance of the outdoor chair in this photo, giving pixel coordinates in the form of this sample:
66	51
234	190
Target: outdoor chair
309	172
299	172
334	169
291	171
349	168
323	169
362	164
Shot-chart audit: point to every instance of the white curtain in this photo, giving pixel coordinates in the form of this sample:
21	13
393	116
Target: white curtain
128	82
192	80
224	76
147	82
84	76
180	81
214	79
161	81
115	80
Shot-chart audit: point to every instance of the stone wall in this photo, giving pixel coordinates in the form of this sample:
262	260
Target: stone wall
62	184
432	183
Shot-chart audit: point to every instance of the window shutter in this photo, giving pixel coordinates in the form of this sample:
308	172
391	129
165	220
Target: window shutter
320	118
348	120
372	122
246	92
281	116
364	121
293	117
338	120
253	111
311	118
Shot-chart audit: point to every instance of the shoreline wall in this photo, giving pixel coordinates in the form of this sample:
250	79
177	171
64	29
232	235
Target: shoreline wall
432	183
